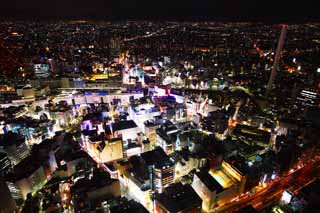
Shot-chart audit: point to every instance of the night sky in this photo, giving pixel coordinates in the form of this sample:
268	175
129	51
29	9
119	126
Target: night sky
271	10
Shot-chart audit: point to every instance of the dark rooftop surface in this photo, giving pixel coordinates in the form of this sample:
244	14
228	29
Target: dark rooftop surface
313	187
29	122
89	132
130	206
99	179
151	123
168	132
252	133
121	125
238	163
313	115
11	138
25	168
139	169
155	157
230	146
247	209
76	155
209	181
96	138
3	155
179	198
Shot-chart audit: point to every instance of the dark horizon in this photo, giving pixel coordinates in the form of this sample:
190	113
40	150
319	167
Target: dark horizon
120	10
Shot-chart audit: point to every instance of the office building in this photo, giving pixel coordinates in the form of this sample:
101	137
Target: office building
161	168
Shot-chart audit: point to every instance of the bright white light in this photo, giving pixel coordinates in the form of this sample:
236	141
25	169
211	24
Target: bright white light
51	133
299	68
286	197
264	178
294	60
318	70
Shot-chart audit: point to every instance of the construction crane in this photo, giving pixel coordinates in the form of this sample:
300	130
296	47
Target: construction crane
273	73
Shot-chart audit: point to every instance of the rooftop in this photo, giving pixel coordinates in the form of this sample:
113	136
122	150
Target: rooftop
156	157
76	155
179	198
11	138
238	163
25	168
222	178
209	181
3	156
128	207
98	179
252	133
122	125
247	209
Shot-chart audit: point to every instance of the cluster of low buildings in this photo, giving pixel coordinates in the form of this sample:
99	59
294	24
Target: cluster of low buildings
108	123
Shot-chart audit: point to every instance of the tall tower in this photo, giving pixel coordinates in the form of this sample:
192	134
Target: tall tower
277	57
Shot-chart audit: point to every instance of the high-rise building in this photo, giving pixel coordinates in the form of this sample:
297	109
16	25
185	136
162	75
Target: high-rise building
163	175
162	168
